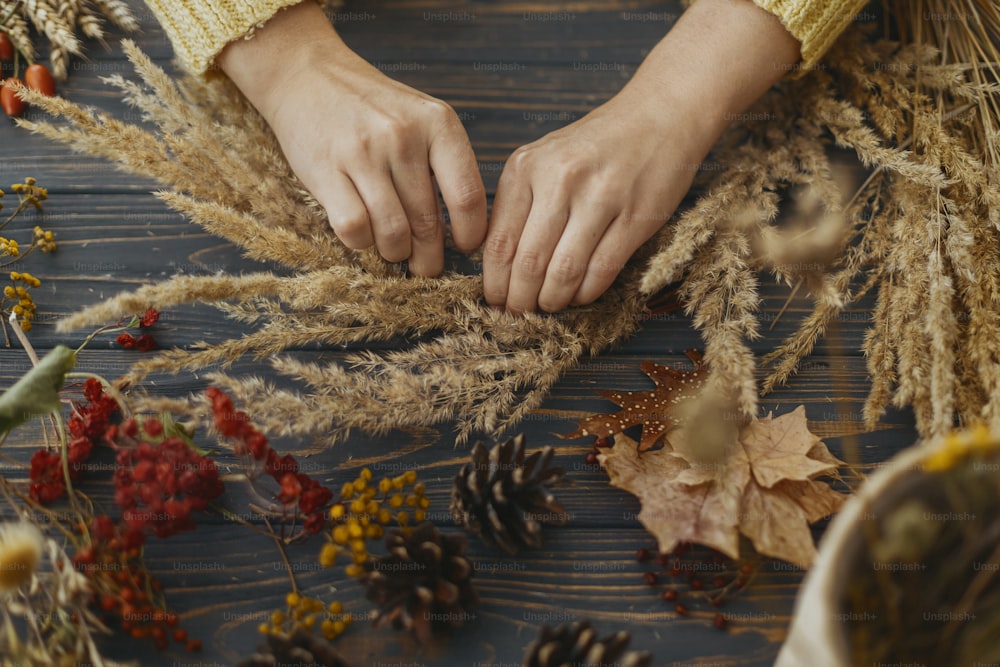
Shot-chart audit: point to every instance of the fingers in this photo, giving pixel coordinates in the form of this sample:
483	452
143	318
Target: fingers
572	261
542	230
389	223
419	200
457	174
511	207
346	211
607	260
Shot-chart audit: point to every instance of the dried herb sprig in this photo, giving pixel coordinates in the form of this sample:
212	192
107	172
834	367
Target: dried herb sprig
16	294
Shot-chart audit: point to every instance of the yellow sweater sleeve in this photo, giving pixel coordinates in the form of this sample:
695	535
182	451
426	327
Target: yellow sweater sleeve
815	23
199	29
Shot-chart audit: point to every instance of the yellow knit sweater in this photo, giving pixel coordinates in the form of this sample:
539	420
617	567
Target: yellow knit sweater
199	29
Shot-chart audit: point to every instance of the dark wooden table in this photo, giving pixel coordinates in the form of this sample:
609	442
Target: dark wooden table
513	71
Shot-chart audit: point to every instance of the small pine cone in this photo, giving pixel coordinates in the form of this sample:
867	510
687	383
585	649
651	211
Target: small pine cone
422	583
503	497
302	648
577	645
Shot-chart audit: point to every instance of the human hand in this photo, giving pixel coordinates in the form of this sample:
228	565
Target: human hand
572	207
367	147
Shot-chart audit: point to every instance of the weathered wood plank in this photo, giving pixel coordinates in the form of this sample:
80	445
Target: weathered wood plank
224	578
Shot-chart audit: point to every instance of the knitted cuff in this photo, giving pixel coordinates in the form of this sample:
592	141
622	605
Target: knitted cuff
200	29
815	23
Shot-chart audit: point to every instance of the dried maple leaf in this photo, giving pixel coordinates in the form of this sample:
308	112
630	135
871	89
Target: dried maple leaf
649	408
763	488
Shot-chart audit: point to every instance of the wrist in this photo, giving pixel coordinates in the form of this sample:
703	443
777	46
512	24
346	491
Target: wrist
719	58
293	40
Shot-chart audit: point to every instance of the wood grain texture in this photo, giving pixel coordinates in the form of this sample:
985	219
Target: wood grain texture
225	579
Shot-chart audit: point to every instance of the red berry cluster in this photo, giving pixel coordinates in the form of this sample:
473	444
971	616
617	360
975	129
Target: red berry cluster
296	489
123	587
87	426
143	342
710	578
159	485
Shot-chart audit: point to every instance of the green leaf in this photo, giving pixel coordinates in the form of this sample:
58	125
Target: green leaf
37	393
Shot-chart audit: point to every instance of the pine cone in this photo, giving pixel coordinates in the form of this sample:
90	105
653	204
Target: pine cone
423	582
576	645
302	649
502	496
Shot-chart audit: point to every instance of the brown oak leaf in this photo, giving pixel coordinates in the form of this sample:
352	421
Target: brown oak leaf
764	488
649	408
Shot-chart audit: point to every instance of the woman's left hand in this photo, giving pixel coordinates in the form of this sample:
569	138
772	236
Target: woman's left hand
572	207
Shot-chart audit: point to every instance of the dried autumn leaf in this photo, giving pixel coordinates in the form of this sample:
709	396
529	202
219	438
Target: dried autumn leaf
649	408
764	488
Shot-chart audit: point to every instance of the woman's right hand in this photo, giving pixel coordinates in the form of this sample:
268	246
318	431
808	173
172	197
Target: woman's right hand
367	147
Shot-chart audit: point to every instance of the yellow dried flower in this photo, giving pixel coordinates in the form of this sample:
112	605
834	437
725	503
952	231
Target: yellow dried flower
25	307
44	239
9	248
30	193
21	547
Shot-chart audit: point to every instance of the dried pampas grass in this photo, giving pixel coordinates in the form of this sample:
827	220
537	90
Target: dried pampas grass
923	230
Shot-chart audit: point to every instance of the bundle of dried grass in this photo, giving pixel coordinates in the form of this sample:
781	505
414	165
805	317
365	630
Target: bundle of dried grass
61	21
923	229
223	168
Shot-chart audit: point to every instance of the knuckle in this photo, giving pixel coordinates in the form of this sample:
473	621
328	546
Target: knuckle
390	130
500	246
602	191
529	263
569	174
566	270
518	163
469	195
442	112
349	228
394	231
